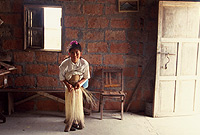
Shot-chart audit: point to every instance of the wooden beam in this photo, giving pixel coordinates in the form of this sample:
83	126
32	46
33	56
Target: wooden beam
27	99
52	97
142	79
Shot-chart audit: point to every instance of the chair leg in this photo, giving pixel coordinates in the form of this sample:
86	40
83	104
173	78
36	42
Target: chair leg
101	108
122	108
99	104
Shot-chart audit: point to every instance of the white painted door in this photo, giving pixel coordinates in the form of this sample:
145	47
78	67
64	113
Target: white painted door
177	87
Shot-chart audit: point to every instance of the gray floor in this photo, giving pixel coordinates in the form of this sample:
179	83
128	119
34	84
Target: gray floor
51	123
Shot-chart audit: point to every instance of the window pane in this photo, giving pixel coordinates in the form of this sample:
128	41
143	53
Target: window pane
35	37
52	28
35	17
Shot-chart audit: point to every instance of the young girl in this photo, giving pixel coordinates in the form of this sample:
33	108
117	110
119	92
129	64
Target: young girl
74	72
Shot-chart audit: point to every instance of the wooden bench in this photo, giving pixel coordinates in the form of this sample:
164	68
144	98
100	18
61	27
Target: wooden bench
38	92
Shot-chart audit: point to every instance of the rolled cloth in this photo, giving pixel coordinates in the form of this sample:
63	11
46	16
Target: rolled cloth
74	105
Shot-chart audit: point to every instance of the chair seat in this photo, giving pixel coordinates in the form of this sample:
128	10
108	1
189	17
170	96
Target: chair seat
113	93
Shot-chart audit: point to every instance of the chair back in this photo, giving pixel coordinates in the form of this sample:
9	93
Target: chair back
112	79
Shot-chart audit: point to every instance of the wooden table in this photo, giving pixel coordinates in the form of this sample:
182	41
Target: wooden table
5	69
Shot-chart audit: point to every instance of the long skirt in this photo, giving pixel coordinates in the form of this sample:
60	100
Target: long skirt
74	108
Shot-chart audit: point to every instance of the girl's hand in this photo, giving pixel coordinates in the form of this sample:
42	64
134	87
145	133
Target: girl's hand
70	87
77	86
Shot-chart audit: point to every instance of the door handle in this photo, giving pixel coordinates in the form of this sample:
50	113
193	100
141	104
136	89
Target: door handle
168	59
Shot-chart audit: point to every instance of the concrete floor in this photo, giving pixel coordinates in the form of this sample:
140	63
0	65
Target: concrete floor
51	123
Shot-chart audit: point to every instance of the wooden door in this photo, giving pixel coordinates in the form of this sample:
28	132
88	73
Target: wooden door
177	88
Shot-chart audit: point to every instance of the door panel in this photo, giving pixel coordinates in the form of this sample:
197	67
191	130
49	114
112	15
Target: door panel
166	96
185	96
188	58
180	22
177	86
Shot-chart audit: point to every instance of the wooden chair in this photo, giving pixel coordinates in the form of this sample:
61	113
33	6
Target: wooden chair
112	88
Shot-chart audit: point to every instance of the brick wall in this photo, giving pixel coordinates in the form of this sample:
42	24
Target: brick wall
109	39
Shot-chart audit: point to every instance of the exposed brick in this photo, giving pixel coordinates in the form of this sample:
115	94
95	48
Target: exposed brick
133	60
97	70
153	12
47	105
113	60
46	57
13	44
13	19
147	94
17	6
128	94
5	6
18	69
71	34
77	21
120	23
112	105
93	35
70	0
139	71
142	2
53	70
26	106
6	32
35	69
140	48
72	9
120	48
97	47
129	72
107	1
135	48
115	35
152	36
137	106
43	81
66	46
111	9
10	81
134	35
136	25
94	83
150	49
93	59
98	22
18	32
61	107
23	56
61	57
25	81
93	9
83	46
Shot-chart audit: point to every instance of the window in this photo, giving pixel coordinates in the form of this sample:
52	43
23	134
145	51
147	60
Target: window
42	27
